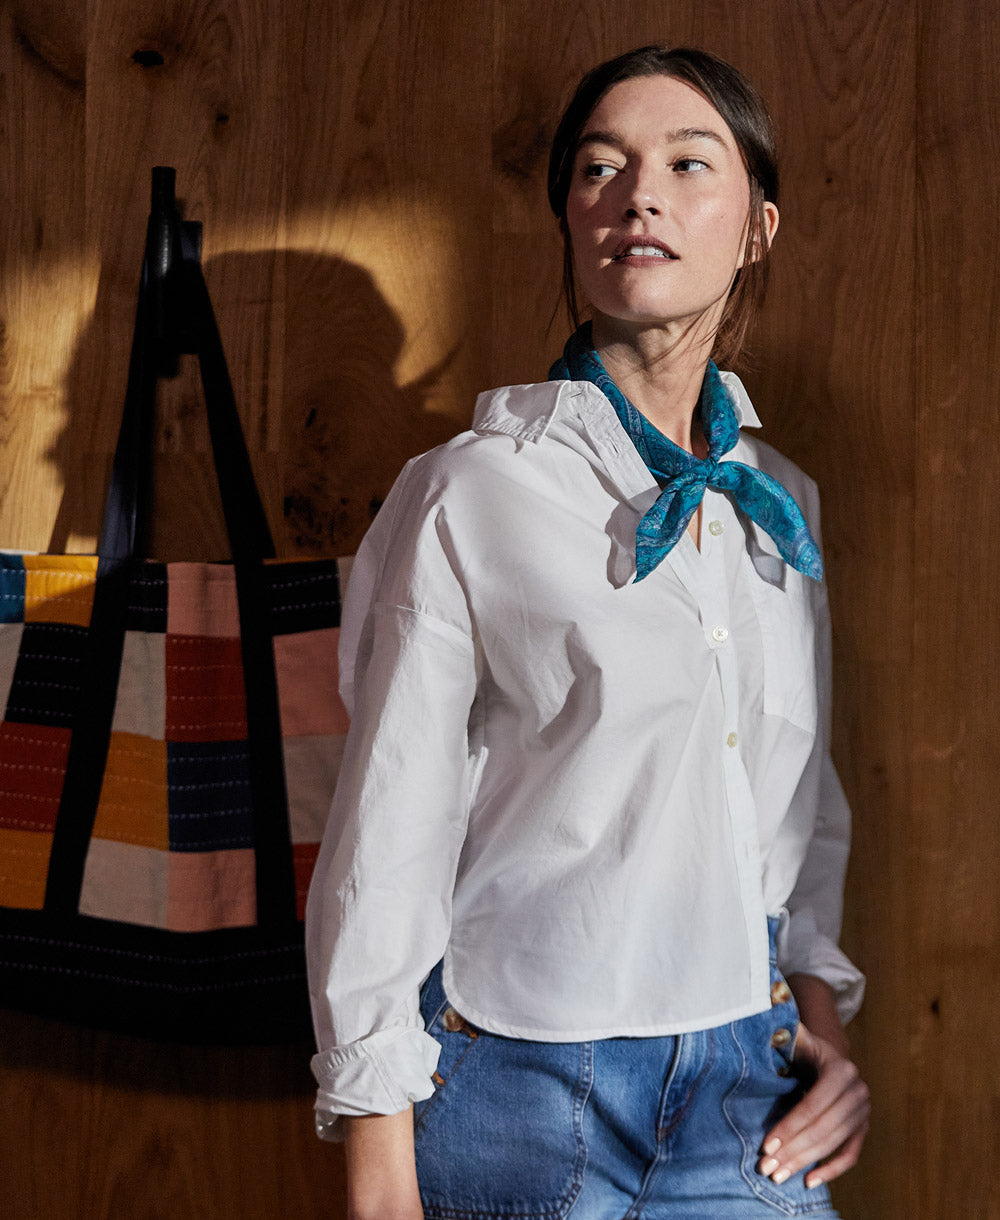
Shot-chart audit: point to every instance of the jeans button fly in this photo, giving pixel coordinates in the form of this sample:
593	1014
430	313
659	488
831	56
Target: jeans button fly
780	993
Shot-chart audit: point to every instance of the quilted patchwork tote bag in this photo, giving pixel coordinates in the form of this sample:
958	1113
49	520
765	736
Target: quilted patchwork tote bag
170	736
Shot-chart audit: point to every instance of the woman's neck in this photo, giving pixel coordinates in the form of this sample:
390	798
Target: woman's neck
661	375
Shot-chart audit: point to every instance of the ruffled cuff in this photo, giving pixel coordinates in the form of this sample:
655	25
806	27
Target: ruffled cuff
804	950
380	1074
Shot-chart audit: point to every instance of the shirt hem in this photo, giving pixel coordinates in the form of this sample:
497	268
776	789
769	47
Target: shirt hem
658	1029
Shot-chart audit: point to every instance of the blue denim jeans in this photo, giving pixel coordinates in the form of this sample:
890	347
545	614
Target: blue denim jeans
615	1129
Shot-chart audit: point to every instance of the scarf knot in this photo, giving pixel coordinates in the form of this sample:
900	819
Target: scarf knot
685	477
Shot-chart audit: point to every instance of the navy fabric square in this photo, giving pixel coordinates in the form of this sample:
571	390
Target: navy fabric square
46	684
12	583
147	598
209	803
304	596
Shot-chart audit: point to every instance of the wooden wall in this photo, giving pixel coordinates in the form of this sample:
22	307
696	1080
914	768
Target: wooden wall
370	177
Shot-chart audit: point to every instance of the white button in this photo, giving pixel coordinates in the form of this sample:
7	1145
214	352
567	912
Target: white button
731	741
720	634
715	527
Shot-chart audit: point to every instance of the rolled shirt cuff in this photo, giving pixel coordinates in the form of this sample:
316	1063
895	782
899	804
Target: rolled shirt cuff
804	950
381	1074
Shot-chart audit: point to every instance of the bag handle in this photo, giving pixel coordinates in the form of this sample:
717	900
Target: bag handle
174	315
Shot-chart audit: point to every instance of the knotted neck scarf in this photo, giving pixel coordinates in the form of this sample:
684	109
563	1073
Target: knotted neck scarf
684	477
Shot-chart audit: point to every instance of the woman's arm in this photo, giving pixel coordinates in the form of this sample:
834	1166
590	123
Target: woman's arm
381	1171
828	1126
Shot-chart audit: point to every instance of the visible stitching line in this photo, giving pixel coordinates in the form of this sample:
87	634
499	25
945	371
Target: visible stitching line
10	823
152	957
157	986
32	741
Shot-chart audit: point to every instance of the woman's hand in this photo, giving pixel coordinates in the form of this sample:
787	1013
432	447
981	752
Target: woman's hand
828	1126
381	1169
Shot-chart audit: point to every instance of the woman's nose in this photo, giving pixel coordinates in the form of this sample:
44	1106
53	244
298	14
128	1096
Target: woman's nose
645	197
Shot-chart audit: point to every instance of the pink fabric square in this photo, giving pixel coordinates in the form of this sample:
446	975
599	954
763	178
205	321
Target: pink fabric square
201	600
126	883
306	665
211	889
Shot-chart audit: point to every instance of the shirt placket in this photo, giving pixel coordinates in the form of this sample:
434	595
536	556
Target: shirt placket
720	533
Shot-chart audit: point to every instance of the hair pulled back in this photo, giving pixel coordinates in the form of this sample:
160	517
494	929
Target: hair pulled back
745	114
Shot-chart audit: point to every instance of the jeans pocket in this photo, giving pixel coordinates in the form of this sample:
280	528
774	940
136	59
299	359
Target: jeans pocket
456	1037
502	1136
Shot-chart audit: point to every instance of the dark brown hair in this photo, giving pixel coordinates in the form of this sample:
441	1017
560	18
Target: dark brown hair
746	116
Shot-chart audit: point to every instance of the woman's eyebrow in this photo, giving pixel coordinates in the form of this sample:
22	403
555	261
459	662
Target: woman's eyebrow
693	133
670	137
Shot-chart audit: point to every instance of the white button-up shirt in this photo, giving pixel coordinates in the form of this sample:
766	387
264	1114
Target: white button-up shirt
584	793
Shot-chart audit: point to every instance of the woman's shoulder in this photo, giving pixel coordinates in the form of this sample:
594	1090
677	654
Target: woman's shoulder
504	420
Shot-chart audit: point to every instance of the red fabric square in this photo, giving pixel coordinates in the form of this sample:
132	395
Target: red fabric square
204	686
304	861
32	770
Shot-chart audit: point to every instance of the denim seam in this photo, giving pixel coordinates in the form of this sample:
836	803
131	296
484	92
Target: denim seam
471	1041
757	1184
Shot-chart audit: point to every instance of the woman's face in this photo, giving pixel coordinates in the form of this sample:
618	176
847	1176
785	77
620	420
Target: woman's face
658	206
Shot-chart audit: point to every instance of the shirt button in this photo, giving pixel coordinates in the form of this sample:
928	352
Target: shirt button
780	992
780	1038
731	741
452	1021
715	527
720	634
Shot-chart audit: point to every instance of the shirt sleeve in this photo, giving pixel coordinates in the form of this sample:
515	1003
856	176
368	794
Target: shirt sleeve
378	916
809	942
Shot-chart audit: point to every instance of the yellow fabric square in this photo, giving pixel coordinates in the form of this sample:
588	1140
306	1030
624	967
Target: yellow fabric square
24	868
59	588
133	804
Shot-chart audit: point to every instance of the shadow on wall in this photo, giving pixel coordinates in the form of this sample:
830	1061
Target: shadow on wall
340	429
327	424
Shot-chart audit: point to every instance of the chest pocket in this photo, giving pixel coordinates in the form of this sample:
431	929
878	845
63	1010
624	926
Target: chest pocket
783	602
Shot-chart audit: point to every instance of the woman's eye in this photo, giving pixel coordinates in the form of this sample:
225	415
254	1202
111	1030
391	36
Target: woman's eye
599	171
689	165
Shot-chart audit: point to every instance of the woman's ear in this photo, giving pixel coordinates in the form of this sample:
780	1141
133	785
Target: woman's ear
751	252
770	222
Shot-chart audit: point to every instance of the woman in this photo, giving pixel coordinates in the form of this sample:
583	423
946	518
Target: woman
587	806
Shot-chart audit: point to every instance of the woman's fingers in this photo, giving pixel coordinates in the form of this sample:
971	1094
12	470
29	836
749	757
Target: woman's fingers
845	1159
827	1127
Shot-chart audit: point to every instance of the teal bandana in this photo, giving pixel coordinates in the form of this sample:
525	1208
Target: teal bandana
761	497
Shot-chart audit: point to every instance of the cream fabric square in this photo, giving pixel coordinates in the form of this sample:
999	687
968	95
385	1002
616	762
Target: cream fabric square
10	644
125	883
311	766
141	704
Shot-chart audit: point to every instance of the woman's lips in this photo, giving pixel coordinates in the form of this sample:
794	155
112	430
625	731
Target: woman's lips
642	250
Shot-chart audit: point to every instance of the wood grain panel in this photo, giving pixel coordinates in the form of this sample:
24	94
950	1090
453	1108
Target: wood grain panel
379	248
46	285
837	379
954	838
388	287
